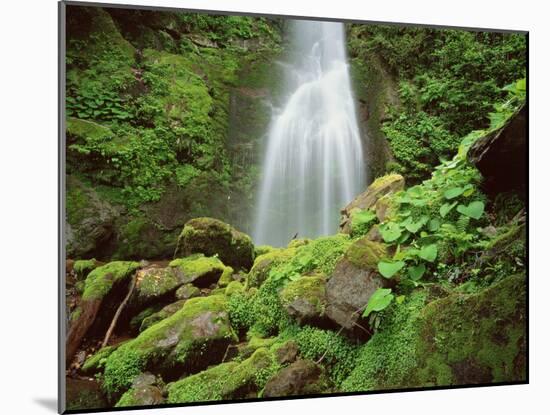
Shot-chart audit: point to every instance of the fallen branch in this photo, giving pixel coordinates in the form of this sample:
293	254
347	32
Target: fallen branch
119	311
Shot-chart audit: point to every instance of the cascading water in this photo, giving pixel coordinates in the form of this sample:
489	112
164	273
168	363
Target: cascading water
314	160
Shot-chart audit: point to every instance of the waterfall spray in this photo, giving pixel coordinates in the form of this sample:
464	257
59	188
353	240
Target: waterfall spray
313	164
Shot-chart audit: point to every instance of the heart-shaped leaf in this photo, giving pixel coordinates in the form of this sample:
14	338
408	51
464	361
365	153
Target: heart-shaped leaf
446	208
378	301
390	231
453	192
434	225
414	227
429	252
389	269
416	272
474	210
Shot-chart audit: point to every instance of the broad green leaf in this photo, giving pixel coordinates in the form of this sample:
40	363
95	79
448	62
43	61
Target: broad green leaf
434	225
389	269
446	208
414	227
378	301
390	231
453	193
416	272
429	252
474	210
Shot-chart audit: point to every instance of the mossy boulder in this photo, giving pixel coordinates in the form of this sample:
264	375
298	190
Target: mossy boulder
213	237
302	377
456	339
350	287
382	186
234	287
96	362
154	282
304	299
366	254
265	263
229	380
83	267
146	390
90	220
226	277
100	281
84	394
198	269
177	344
165	312
187	291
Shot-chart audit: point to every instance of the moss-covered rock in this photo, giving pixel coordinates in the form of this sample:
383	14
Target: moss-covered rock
263	264
100	281
229	380
366	254
226	277
213	237
96	362
234	287
262	249
198	269
455	340
146	390
154	282
187	291
193	338
382	186
90	220
302	377
165	312
83	267
84	394
304	299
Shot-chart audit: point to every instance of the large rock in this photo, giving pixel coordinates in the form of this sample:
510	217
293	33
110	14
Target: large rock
104	288
264	263
213	237
382	186
174	345
302	377
304	299
501	156
83	394
146	390
454	339
165	312
200	270
90	220
353	281
229	380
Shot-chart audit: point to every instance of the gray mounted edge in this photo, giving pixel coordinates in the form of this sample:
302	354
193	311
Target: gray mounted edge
61	311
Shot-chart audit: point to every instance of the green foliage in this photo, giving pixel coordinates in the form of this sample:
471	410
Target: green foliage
362	221
389	269
337	353
100	281
378	301
449	82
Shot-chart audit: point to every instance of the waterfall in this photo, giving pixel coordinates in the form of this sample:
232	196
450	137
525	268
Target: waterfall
313	165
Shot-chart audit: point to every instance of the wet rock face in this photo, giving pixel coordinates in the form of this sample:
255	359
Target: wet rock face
300	378
90	220
501	156
146	390
382	186
211	237
348	292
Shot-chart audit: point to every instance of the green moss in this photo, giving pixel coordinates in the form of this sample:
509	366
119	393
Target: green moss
310	289
338	354
75	315
226	381
387	359
160	315
196	266
172	342
295	243
264	263
155	282
100	281
234	287
477	338
137	320
82	267
87	130
366	254
226	278
187	291
262	249
96	362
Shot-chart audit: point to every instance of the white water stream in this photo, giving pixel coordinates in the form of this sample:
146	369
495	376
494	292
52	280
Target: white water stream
314	162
